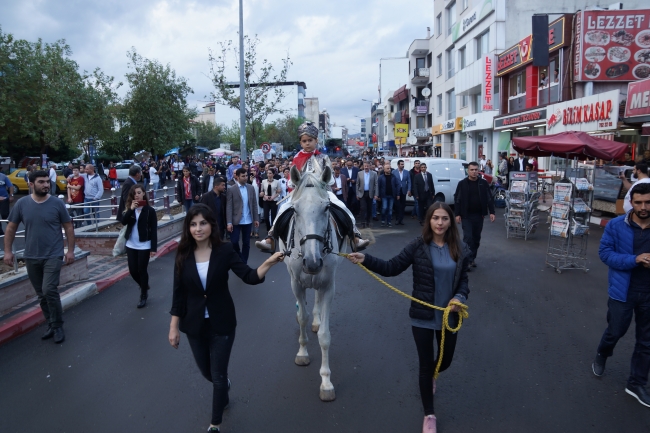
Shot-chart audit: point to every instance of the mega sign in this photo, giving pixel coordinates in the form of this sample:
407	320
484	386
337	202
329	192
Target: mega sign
488	80
520	119
612	45
521	53
638	99
592	113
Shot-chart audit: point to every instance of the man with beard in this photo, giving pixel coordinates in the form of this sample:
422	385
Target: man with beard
625	249
43	216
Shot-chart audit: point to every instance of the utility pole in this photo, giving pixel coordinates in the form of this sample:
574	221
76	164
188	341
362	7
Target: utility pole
242	89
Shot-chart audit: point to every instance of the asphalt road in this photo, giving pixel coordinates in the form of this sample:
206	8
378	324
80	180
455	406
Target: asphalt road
522	363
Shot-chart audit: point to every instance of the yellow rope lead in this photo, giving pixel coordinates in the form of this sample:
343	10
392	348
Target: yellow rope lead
462	314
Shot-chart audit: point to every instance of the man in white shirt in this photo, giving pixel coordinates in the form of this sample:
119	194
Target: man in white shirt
154	178
521	162
482	163
641	174
93	191
52	174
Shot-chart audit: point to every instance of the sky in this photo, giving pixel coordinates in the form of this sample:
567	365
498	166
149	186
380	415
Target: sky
335	45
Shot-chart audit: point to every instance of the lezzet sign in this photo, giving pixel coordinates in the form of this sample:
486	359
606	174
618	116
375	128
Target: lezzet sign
593	113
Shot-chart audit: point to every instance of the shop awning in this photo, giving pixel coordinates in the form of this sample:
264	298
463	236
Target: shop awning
570	144
400	94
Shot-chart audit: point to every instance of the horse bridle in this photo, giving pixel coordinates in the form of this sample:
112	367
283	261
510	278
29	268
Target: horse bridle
326	240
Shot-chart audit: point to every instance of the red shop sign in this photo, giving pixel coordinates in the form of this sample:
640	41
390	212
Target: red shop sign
638	99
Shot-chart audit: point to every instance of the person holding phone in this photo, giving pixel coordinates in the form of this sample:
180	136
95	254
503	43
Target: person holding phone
141	238
202	306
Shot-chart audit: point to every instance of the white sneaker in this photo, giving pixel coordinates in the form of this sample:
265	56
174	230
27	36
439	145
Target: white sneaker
429	425
264	245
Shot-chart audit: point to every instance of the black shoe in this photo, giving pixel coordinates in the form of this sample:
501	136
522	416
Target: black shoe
598	366
59	335
48	334
143	300
382	224
639	393
389	225
473	264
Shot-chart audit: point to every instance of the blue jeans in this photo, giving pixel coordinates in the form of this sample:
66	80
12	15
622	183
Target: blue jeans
187	204
387	209
374	208
90	212
416	209
245	231
619	318
156	185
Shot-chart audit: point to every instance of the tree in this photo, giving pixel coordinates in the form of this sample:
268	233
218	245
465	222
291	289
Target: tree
155	108
263	94
285	131
208	134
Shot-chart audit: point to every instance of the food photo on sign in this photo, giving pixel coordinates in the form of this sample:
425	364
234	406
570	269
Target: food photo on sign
613	45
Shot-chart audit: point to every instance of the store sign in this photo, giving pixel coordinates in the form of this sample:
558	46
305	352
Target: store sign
521	119
612	45
401	130
488	82
477	122
453	125
592	113
638	99
471	19
521	53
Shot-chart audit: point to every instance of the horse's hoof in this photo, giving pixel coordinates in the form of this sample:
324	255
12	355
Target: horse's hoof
327	395
302	360
315	328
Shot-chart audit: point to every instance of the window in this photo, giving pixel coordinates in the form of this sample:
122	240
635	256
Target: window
420	121
451	104
478	103
451	17
517	84
419	62
450	63
461	58
429	59
465	4
211	109
439	24
439	64
464	100
439	98
482	45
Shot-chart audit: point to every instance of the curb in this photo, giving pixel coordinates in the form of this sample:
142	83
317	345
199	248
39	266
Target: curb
33	317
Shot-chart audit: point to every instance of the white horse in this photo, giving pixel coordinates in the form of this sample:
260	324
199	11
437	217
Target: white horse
314	244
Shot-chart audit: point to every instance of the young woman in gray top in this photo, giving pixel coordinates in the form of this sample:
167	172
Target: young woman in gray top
440	262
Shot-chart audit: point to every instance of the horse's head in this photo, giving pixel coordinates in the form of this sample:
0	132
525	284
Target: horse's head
312	218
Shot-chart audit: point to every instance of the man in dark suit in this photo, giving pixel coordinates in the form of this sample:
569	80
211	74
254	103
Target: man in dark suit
340	185
207	182
520	162
241	213
135	174
404	178
424	190
367	190
216	200
351	172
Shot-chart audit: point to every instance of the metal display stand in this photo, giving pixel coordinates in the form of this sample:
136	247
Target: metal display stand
522	215
572	203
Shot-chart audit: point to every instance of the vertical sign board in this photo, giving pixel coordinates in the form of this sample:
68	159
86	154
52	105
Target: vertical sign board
638	99
488	84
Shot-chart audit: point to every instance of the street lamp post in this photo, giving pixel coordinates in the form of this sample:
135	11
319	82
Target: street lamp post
242	90
368	135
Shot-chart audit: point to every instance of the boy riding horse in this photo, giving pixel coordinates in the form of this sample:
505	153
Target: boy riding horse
308	136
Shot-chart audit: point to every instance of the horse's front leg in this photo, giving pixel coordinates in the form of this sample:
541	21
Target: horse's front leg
315	324
326	295
302	358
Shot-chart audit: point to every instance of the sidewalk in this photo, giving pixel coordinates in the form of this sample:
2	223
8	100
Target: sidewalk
103	272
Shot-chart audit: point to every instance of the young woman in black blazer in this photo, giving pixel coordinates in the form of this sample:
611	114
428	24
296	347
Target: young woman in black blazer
141	238
440	262
202	306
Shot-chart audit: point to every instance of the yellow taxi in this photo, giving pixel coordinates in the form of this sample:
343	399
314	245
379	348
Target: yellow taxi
17	179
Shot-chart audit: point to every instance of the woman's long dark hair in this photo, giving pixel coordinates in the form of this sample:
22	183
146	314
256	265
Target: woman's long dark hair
452	238
131	196
187	245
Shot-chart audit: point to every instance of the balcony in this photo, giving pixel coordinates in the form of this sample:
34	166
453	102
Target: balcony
420	75
420	106
548	94
420	132
517	103
391	117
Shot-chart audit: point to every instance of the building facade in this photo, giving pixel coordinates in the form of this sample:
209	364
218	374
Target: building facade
312	109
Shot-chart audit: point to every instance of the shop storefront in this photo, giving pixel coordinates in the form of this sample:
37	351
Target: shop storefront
637	116
478	128
449	137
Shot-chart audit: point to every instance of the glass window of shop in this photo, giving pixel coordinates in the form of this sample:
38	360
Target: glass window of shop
549	88
517	92
463	146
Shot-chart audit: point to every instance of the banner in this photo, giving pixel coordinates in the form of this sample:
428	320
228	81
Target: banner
401	130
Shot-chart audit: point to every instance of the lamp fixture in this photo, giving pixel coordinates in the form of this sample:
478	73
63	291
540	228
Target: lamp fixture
521	127
540	125
506	130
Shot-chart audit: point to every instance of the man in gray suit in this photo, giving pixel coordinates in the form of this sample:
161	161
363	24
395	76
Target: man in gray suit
241	213
367	191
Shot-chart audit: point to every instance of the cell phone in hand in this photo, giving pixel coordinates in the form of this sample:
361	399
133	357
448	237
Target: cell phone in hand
142	203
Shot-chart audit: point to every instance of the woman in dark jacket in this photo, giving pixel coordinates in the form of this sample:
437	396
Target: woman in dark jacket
202	306
141	238
188	189
440	263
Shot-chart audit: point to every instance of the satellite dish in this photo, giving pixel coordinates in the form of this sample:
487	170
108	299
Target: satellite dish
426	92
412	140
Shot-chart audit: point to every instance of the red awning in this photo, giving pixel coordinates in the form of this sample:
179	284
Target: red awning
570	144
400	94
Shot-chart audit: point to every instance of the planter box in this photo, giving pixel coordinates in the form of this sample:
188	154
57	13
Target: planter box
102	243
16	289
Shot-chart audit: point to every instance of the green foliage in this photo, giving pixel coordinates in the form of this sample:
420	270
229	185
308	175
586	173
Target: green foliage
207	134
263	99
285	131
155	109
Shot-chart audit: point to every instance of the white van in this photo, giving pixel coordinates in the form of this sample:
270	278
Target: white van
446	172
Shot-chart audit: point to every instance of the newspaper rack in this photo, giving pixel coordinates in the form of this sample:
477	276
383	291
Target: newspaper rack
522	215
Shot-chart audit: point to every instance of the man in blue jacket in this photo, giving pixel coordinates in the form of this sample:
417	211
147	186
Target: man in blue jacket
625	249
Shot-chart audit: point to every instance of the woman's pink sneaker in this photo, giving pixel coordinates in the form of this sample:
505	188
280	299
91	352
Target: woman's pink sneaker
429	425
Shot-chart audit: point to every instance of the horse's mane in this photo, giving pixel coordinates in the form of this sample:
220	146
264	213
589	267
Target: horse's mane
311	180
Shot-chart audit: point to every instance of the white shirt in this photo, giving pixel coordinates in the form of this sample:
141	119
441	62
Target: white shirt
366	181
337	180
401	175
52	175
202	269
153	177
626	203
522	166
134	240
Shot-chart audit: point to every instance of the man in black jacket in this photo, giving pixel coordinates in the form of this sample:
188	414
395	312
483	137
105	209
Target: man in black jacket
472	202
423	190
208	181
216	200
135	174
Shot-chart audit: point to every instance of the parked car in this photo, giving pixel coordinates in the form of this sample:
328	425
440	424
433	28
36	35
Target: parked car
446	172
122	170
17	179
